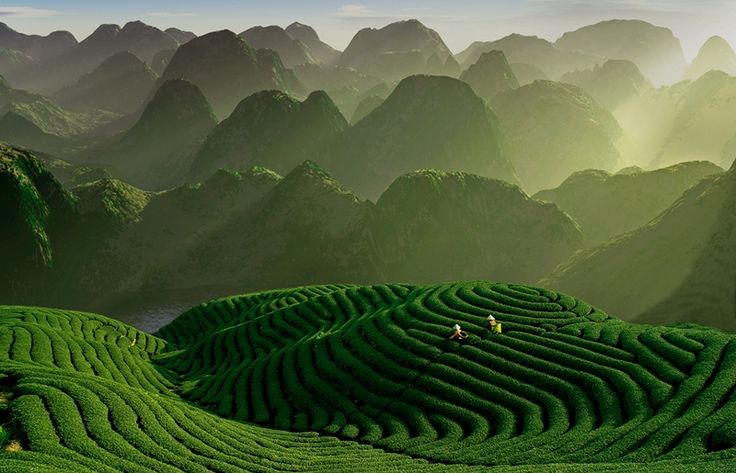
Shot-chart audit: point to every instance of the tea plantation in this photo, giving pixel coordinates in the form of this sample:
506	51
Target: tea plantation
365	378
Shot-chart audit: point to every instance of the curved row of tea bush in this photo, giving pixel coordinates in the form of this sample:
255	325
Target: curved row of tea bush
564	383
350	378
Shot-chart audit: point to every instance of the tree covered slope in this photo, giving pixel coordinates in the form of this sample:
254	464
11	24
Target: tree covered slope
364	378
606	205
656	271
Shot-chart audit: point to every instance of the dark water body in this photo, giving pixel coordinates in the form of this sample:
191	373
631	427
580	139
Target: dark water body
151	311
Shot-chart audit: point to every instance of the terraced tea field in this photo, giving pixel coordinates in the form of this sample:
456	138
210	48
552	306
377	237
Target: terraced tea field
365	378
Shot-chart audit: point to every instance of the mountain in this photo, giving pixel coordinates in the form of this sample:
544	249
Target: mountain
291	51
346	86
606	205
161	60
33	121
227	70
120	85
703	122
427	122
13	64
715	54
490	75
66	69
321	52
655	50
37	47
181	36
687	250
270	129
395	51
35	210
497	231
526	73
611	84
365	107
553	130
532	51
707	295
157	151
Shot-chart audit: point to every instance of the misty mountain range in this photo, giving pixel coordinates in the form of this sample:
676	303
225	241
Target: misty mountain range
146	160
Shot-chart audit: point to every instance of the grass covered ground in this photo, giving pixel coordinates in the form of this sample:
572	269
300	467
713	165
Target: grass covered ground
364	378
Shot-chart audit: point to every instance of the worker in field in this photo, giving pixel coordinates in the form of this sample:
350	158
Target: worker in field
458	333
494	324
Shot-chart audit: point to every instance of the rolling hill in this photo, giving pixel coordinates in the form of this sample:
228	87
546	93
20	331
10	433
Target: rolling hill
606	205
637	277
654	49
403	134
553	130
227	70
364	379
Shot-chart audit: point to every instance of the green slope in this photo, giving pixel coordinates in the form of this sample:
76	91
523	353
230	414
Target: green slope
606	205
269	129
364	378
553	130
157	151
227	69
404	134
679	267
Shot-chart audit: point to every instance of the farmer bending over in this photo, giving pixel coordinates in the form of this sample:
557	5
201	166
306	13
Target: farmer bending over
494	324
458	333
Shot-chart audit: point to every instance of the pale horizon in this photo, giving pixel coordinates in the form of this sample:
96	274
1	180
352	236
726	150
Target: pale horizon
337	22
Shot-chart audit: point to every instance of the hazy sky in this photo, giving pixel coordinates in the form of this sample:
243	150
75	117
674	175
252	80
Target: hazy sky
459	21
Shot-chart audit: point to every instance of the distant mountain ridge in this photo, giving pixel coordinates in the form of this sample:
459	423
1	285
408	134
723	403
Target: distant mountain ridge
227	69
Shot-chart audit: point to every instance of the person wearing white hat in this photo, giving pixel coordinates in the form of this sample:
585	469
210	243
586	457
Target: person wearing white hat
494	324
458	333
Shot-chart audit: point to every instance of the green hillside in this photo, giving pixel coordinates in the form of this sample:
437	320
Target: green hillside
606	205
679	267
269	129
403	134
364	378
227	69
157	151
553	130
